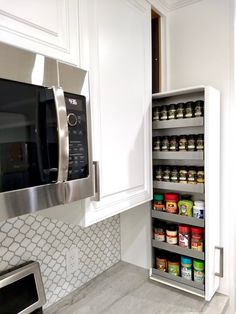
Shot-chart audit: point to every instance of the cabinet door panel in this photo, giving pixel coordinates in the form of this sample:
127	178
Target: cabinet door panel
121	98
47	27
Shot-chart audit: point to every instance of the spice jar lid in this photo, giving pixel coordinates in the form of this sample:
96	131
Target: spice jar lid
158	197
186	260
171	227
198	264
196	230
184	228
174	258
171	197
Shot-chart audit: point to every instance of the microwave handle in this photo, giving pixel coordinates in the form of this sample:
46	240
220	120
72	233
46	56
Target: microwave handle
63	134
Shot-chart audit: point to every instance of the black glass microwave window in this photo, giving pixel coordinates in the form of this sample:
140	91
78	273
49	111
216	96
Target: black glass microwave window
78	138
28	136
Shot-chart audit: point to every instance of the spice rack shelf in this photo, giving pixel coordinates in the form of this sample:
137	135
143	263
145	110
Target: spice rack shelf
178	282
177	123
178	155
177	249
194	188
178	218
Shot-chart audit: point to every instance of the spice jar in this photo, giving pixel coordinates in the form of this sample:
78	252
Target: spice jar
198	271
180	110
171	234
163	114
165	145
198	209
200	142
186	267
189	109
191	143
183	143
173	264
183	175
171	112
158	202
156	113
185	207
184	236
174	174
161	260
192	176
159	233
200	175
173	143
157	143
197	239
198	109
158	173
166	174
171	200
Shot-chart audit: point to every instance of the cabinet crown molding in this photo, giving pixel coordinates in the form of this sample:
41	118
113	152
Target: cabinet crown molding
171	5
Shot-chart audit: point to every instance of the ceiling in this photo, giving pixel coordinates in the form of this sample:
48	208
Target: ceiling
171	5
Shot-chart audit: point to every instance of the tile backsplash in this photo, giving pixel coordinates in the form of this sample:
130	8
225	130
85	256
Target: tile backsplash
34	237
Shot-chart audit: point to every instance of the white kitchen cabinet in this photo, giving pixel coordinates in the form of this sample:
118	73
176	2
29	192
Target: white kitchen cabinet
209	125
120	85
47	27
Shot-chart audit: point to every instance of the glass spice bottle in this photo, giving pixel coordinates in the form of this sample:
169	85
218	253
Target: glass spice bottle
159	173
171	112
163	114
174	175
200	175
159	232
183	142
174	143
198	109
161	260
192	176
183	175
158	202
156	113
200	142
157	143
191	143
180	110
166	174
189	109
165	145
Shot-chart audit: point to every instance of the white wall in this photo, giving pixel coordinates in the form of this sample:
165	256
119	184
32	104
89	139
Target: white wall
200	51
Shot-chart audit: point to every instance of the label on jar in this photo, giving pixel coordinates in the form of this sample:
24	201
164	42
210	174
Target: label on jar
191	147
159	234
186	272
198	276
164	147
161	264
174	179
164	116
171	207
173	268
158	177
184	240
179	114
171	114
183	179
197	244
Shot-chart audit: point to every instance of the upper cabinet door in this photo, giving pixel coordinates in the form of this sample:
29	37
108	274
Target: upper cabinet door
46	27
120	77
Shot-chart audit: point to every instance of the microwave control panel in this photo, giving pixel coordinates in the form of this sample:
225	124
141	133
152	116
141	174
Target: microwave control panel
78	139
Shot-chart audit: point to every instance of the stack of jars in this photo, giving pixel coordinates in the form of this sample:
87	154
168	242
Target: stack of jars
186	267
179	174
193	142
181	110
183	235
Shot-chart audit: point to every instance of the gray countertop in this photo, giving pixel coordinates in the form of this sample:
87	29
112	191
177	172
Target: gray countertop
126	289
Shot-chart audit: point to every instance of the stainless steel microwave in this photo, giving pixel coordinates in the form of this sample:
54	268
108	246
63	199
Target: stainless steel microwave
45	133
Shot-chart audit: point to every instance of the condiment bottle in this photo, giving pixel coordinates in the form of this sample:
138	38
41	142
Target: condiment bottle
191	143
200	175
161	260
198	109
158	173
200	142
183	175
186	267
184	236
156	113
163	114
192	176
197	239
198	271
198	209
171	200
180	110
166	174
171	112
173	143
185	207
173	264
183	142
174	175
189	109
158	202
165	145
171	234
157	143
159	233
